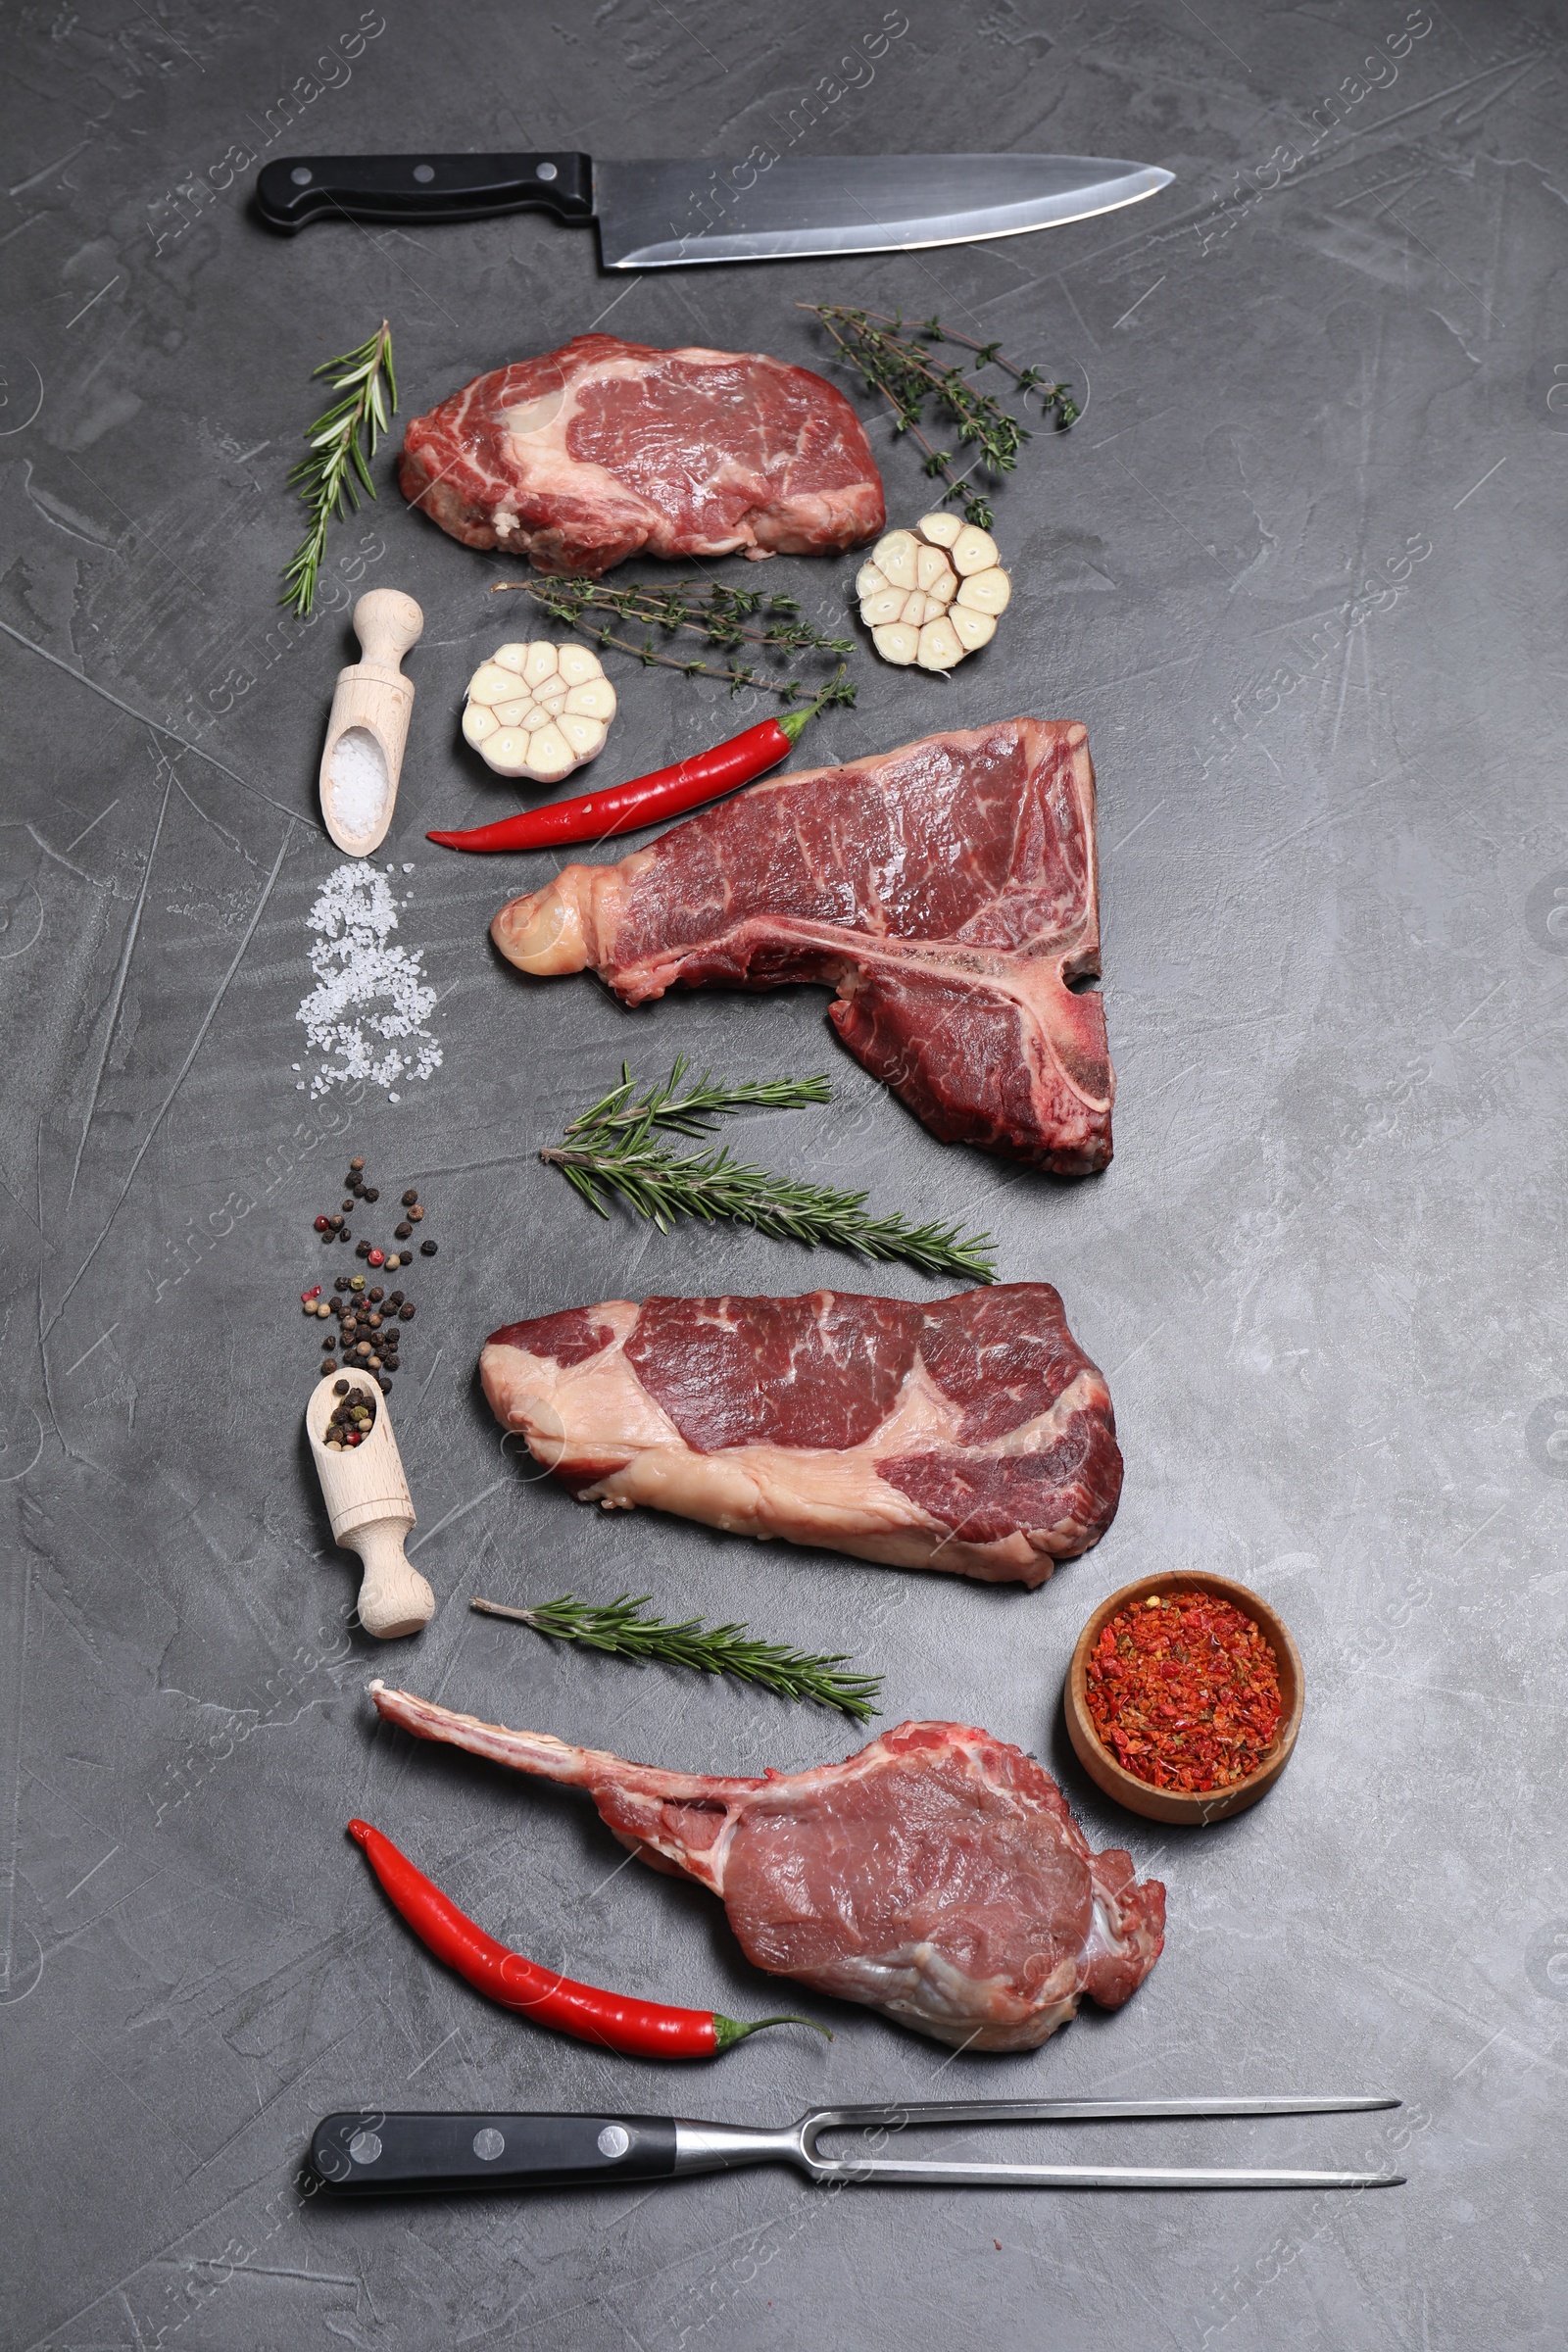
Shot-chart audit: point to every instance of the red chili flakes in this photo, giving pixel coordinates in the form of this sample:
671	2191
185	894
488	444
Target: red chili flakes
1183	1691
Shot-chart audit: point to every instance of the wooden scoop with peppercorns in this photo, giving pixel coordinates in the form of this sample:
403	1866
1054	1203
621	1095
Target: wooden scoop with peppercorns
367	1498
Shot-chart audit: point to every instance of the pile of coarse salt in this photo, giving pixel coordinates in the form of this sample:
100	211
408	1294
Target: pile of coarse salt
366	990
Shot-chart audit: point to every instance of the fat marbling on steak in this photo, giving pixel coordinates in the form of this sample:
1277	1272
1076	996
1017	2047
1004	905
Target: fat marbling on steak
973	1435
603	449
948	891
937	1874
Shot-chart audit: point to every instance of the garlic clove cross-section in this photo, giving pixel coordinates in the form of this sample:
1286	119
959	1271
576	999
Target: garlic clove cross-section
931	595
538	709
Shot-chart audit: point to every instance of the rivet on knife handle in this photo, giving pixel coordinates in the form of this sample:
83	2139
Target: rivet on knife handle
300	188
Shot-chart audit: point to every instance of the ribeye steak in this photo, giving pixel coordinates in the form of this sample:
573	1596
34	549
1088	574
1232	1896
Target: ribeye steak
604	450
937	1876
973	1435
949	892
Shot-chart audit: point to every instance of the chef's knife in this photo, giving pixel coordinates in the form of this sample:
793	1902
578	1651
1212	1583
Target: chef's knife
657	216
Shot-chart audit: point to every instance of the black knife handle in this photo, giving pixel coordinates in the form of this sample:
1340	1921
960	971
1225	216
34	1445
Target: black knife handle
369	2149
298	188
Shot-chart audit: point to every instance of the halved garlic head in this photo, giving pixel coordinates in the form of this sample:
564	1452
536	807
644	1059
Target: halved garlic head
539	709
931	595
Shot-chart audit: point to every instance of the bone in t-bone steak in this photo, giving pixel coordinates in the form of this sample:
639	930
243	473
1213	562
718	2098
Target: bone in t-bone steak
947	890
937	1876
604	450
973	1435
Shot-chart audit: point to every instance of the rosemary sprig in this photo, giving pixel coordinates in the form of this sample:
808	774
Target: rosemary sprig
341	443
694	1113
612	1150
618	1628
728	618
897	362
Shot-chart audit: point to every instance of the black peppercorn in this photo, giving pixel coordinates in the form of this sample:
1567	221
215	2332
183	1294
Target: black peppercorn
342	1389
362	1248
401	1233
342	1283
428	1248
406	1311
372	1191
328	1365
394	1297
347	1233
410	1197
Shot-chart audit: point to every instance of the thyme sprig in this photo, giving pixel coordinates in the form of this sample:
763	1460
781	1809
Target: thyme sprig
618	1628
612	1150
896	361
341	443
730	618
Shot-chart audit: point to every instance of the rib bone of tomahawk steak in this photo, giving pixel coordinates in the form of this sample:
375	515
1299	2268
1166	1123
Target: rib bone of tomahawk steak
947	890
937	1876
604	450
973	1435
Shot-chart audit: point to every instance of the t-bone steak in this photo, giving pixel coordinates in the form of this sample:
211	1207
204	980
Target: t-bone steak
973	1435
604	450
947	891
937	1876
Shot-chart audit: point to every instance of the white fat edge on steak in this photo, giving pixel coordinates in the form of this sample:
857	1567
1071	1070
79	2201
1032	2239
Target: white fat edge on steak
917	1981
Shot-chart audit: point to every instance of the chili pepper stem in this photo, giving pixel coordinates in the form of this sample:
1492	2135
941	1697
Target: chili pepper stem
729	2031
791	722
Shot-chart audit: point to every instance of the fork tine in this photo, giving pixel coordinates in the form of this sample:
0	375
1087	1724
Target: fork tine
892	2115
1076	2176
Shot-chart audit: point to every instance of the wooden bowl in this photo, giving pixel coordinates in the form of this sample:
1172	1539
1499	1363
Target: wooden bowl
1196	1810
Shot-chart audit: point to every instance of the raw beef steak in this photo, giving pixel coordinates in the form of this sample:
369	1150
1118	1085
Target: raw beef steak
973	1434
949	892
937	1876
604	450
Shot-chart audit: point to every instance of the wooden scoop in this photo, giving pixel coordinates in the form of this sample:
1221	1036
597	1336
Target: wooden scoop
371	1511
370	724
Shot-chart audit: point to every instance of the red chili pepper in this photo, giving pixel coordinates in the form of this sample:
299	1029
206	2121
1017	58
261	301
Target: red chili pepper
613	2020
667	791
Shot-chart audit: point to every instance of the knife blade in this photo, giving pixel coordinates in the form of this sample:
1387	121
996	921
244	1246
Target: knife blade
667	215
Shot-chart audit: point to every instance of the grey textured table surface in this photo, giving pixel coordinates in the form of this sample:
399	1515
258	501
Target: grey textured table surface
1300	569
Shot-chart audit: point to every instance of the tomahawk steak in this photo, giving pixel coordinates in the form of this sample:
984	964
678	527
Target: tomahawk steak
947	891
937	1876
604	450
973	1434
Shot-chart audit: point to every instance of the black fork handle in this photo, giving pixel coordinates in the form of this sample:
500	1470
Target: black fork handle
369	2149
419	187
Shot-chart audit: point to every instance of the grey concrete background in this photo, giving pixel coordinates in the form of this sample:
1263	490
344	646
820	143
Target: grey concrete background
1300	569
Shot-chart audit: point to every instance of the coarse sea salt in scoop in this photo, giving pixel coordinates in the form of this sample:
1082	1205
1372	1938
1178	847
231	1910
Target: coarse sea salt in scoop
370	724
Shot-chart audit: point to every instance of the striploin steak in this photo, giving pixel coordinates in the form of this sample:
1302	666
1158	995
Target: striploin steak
603	449
947	891
973	1435
937	1876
